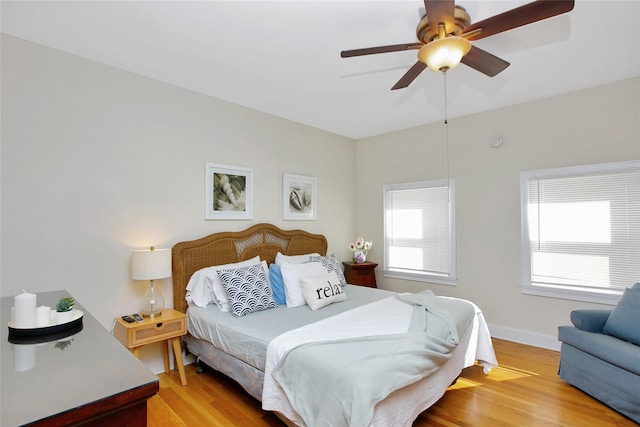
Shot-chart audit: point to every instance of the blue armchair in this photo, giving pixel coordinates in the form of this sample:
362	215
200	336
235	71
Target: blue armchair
600	354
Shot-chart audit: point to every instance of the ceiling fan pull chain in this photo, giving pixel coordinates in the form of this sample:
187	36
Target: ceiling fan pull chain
446	125
444	79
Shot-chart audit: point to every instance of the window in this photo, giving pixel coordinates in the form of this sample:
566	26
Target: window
581	231
419	224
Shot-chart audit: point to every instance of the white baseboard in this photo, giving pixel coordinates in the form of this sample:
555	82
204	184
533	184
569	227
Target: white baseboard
521	336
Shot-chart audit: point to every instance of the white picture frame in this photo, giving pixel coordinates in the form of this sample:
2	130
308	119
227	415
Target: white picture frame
299	197
228	192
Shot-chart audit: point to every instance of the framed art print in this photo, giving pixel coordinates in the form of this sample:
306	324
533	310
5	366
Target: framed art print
228	192
299	201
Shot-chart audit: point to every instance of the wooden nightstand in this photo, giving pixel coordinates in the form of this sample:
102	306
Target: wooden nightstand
362	273
169	327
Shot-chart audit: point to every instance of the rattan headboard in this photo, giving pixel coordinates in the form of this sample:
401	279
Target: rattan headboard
226	247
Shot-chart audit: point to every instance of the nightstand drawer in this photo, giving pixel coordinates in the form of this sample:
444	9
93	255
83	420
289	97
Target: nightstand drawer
171	324
161	330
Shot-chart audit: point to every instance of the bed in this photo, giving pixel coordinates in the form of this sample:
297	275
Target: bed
252	349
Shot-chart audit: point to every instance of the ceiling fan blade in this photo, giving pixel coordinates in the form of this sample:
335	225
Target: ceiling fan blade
440	11
484	61
410	75
523	15
380	49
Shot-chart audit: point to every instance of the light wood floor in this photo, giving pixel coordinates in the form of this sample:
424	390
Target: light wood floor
524	390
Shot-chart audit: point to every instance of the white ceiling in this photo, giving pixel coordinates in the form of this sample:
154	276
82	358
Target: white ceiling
283	58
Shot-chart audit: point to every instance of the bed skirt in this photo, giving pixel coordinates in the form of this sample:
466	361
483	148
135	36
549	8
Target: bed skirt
250	378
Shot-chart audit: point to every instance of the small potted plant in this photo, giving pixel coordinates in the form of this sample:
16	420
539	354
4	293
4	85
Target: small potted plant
64	310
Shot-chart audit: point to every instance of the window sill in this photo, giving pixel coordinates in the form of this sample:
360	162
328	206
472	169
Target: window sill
419	277
598	297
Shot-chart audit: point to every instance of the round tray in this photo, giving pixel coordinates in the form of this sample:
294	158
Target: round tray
47	330
39	339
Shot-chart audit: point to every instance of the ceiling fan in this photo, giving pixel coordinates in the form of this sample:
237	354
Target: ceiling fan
445	32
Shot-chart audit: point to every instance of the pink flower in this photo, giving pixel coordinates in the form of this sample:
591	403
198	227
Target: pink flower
360	245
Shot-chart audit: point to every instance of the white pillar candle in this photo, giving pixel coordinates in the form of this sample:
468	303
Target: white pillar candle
24	310
43	316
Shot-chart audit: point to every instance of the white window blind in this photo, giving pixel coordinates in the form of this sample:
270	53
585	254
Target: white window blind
420	231
581	230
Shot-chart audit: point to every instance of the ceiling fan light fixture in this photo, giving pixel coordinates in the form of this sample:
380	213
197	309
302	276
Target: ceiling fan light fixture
444	54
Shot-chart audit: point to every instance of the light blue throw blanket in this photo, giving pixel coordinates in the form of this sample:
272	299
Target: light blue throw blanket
430	317
338	383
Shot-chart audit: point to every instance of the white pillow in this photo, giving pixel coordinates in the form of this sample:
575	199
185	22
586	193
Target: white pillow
205	287
293	259
291	274
319	291
198	292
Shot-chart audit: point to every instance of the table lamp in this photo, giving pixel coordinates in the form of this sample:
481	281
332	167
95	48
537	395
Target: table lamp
151	264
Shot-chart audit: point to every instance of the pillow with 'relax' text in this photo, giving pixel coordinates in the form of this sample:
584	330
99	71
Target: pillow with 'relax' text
320	291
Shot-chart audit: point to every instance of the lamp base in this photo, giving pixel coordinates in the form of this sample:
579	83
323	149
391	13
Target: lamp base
151	314
154	303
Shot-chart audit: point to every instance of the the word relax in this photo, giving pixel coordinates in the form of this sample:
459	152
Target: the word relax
329	291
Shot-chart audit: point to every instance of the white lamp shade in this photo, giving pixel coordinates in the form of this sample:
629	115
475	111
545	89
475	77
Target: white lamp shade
150	264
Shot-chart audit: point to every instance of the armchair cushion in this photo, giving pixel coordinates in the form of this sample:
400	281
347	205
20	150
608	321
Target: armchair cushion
604	347
589	320
624	319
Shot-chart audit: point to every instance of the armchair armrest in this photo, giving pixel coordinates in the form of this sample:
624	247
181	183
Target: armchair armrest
590	320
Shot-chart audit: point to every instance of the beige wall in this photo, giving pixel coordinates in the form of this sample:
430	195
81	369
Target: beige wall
97	161
598	125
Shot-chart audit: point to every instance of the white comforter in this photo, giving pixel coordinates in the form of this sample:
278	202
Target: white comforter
395	317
